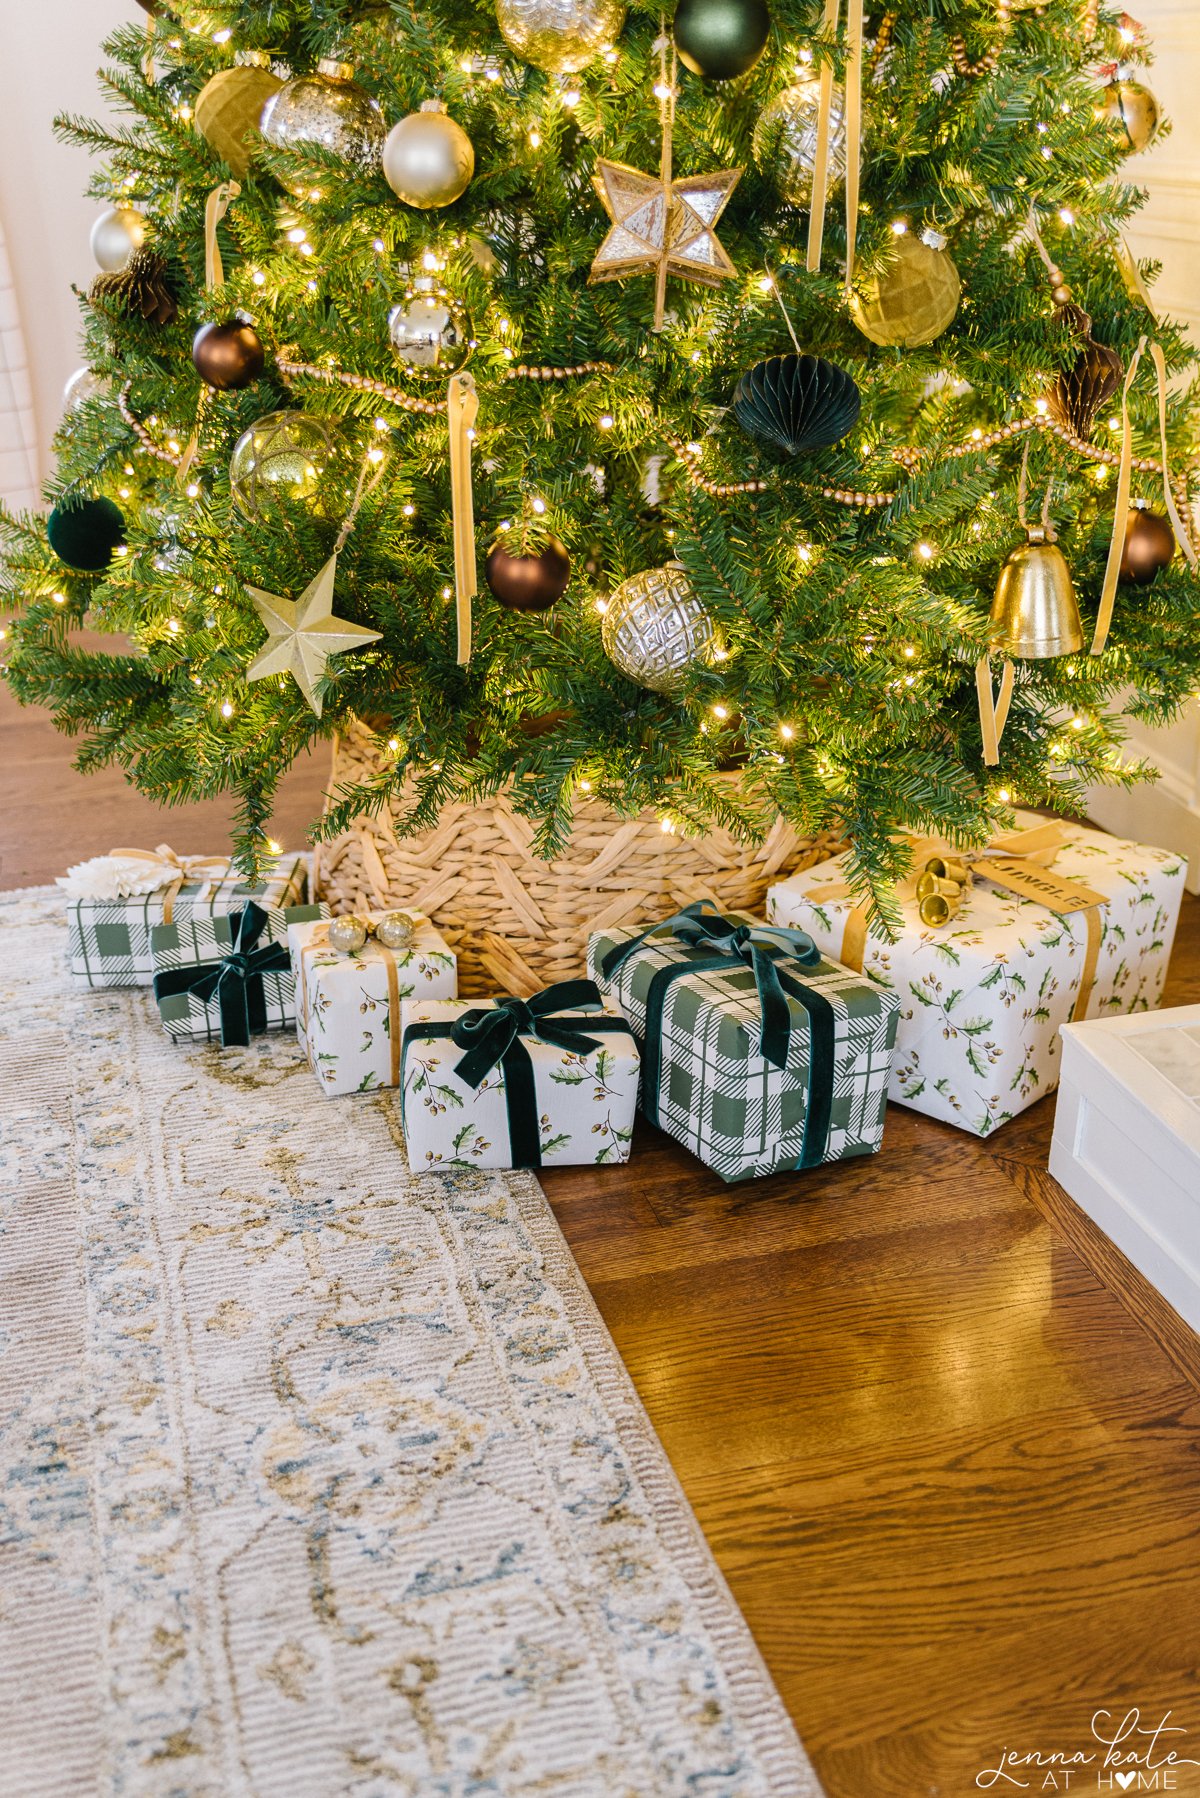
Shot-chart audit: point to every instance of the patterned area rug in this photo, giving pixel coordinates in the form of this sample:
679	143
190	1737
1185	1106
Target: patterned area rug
318	1476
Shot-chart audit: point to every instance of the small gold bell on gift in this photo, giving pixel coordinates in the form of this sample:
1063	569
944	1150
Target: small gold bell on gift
938	899
946	868
1035	613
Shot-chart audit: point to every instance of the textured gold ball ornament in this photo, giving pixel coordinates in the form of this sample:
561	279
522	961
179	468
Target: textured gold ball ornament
428	158
396	929
1035	613
116	234
785	139
229	106
281	457
560	36
1132	107
655	629
912	299
329	109
348	933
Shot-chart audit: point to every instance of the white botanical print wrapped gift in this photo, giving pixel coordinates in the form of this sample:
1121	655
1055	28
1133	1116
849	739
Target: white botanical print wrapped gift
536	1082
114	901
982	998
348	1001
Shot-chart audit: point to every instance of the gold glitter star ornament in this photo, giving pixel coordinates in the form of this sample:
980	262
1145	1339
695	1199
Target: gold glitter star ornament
663	226
303	633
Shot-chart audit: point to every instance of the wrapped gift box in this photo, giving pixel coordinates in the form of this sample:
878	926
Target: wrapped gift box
243	957
108	927
348	1001
548	1100
744	1105
982	998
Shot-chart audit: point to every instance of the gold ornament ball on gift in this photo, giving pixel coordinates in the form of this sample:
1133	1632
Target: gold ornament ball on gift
347	934
560	36
281	457
328	109
116	234
229	106
396	929
655	629
1035	613
428	158
785	139
912	299
1132	107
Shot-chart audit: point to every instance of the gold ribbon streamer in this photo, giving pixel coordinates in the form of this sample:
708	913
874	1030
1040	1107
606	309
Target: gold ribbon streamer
148	53
1131	274
852	115
462	404
993	709
370	951
215	207
1116	548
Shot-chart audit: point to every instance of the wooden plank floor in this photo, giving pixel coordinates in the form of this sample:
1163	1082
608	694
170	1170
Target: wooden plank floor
952	1476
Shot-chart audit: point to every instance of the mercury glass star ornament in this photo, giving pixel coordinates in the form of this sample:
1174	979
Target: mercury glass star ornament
303	633
663	226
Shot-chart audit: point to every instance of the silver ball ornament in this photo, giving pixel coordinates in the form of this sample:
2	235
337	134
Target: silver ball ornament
785	139
347	934
655	629
116	234
428	158
428	331
327	109
560	36
396	929
282	456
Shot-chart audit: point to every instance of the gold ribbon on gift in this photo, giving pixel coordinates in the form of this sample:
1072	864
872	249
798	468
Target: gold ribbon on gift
462	405
215	207
852	114
372	950
1018	860
1116	548
176	869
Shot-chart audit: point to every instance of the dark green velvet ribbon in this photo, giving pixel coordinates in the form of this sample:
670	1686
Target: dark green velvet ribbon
236	981
491	1037
722	943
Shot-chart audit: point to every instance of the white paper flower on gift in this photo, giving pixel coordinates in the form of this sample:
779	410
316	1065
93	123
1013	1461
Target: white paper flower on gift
127	873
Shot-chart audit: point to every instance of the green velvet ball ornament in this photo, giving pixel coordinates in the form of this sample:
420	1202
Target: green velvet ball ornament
721	39
84	536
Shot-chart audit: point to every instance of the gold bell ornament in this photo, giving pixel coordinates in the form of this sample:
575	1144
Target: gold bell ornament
1035	613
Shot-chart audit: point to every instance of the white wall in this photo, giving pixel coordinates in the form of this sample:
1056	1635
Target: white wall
51	55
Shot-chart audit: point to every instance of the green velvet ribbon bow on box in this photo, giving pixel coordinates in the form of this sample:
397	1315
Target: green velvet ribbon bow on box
491	1037
724	943
235	981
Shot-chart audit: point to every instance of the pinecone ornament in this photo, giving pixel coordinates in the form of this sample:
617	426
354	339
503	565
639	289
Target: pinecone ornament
140	287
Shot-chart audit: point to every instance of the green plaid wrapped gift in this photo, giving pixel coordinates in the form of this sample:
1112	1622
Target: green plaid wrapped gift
758	1054
109	925
221	947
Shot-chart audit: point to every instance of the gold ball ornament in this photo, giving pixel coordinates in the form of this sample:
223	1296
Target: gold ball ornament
328	109
560	36
1132	107
397	929
116	234
229	106
785	139
912	299
428	158
429	331
348	933
281	457
655	629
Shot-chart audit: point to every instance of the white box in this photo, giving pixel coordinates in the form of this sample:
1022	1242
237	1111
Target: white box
348	1000
1127	1142
982	999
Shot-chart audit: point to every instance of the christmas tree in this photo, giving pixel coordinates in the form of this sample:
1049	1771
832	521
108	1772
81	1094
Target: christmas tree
742	350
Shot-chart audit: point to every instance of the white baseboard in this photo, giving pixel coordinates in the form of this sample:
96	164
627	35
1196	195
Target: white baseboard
1157	814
